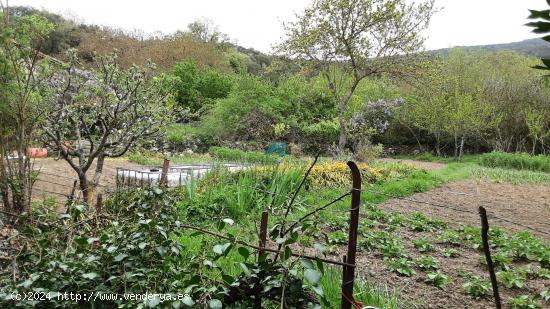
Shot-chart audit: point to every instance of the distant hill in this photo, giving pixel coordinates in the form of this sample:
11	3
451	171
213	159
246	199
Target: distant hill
532	47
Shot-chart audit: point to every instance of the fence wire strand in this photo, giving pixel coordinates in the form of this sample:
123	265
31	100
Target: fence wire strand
455	209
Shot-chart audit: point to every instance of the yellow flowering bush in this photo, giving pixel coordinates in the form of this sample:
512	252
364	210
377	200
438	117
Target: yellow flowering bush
333	173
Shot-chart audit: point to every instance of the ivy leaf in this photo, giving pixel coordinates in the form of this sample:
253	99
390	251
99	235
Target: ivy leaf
228	279
188	301
221	249
245	269
120	257
313	276
244	252
142	245
90	276
215	304
320	265
307	264
153	302
287	253
158	191
209	263
229	221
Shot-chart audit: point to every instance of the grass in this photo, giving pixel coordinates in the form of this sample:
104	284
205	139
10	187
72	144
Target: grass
236	155
365	292
517	177
518	161
151	159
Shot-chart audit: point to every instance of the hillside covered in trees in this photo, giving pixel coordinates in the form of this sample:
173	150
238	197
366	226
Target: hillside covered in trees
496	98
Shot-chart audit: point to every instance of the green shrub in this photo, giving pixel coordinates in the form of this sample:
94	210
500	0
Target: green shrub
320	136
228	154
519	161
183	136
139	251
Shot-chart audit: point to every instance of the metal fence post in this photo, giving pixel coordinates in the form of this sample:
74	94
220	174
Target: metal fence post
263	240
348	274
487	251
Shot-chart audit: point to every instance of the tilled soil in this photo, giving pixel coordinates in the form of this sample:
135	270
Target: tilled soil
56	177
524	204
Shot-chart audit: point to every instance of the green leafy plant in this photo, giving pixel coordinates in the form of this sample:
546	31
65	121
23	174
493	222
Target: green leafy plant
419	222
337	238
451	237
450	253
426	262
402	266
437	279
500	260
540	272
514	278
477	288
472	236
523	302
423	245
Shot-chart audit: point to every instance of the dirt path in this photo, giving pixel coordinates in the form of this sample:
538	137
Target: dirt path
524	204
56	177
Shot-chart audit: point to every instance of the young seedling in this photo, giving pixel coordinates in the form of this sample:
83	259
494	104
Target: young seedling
450	253
423	245
437	279
500	260
402	266
426	262
523	302
451	237
514	278
477	288
337	238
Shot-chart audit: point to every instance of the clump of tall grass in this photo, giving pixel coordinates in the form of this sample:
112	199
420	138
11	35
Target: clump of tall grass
229	154
368	294
510	176
519	161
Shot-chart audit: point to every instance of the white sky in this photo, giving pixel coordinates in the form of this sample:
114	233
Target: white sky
257	23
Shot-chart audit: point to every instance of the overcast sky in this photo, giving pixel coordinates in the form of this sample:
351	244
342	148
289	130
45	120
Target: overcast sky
257	23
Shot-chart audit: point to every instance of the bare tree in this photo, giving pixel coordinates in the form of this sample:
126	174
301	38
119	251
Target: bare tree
349	40
93	115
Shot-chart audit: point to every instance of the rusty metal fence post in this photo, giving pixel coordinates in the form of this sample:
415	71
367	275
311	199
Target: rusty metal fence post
487	251
348	273
263	241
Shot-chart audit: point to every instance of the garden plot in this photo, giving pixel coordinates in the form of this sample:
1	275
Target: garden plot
433	257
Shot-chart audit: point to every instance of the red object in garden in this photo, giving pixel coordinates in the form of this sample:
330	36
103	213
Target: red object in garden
37	152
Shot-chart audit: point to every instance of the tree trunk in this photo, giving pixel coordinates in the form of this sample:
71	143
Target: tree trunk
342	140
534	145
98	171
84	188
456	145
461	147
438	144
